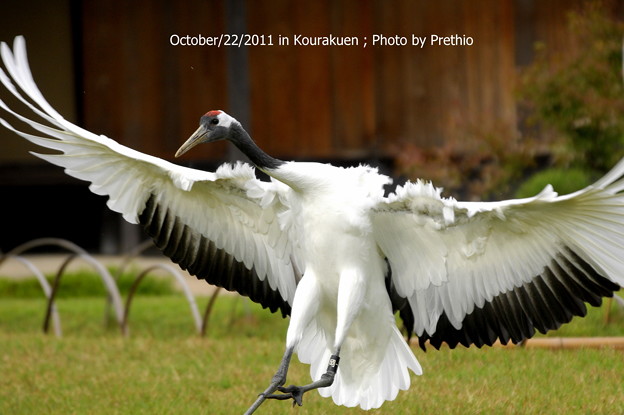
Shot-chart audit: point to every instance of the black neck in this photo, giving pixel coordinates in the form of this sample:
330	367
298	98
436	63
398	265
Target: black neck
241	139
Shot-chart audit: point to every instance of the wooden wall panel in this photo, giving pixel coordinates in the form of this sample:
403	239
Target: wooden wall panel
391	80
427	95
352	70
291	86
137	87
313	101
273	85
307	102
490	69
313	87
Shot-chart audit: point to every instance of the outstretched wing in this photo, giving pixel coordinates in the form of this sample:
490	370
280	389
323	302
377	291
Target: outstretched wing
218	225
477	272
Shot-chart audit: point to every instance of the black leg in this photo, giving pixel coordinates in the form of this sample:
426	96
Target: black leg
276	382
296	392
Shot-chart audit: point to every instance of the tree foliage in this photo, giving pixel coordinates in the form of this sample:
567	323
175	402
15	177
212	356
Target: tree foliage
578	92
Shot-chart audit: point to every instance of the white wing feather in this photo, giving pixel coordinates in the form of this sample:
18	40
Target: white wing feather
215	204
450	257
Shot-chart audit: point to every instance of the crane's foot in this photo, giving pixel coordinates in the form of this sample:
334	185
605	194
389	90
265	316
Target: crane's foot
276	382
296	392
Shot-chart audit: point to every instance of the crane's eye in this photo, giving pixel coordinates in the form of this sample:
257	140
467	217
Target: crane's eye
214	121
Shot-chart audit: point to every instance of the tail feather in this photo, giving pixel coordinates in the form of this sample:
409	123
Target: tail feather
360	382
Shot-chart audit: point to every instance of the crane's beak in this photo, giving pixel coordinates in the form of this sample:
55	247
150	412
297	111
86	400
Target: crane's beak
197	137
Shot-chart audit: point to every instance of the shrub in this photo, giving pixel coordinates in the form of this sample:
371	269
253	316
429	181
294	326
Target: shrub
577	91
564	181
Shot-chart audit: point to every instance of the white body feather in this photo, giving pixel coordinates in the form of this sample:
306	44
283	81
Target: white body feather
340	305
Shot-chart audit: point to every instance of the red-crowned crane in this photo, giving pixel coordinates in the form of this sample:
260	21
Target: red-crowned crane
323	245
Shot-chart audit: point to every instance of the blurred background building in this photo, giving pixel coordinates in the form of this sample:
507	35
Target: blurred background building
110	67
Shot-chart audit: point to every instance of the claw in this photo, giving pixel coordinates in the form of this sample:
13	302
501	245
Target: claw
276	382
281	397
294	392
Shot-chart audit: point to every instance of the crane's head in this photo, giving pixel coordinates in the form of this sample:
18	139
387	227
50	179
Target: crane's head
213	126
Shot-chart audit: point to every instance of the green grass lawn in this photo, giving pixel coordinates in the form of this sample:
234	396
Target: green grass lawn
165	368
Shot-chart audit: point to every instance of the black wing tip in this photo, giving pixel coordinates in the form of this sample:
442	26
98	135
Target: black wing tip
200	257
554	298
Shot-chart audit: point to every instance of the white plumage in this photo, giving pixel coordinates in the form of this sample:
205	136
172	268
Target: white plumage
323	244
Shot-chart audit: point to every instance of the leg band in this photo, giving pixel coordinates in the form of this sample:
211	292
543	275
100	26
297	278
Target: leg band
332	367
